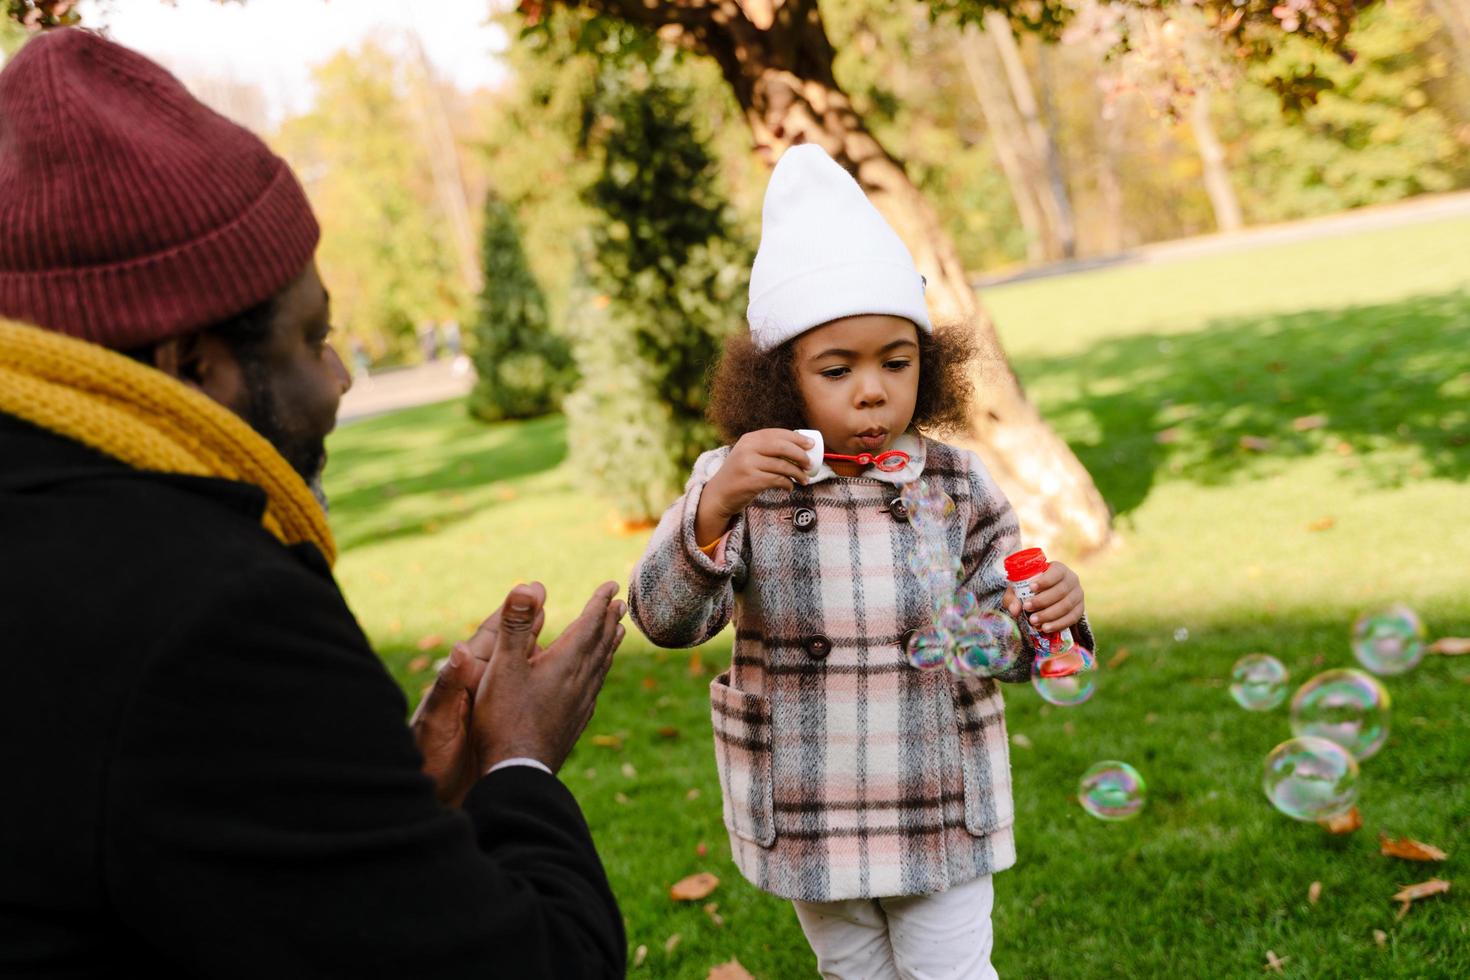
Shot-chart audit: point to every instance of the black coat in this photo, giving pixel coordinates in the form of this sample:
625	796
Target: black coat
207	770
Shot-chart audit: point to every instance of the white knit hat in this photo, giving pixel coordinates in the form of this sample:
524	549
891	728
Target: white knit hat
825	253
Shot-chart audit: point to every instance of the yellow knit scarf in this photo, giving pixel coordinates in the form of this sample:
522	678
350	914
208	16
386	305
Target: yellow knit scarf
149	421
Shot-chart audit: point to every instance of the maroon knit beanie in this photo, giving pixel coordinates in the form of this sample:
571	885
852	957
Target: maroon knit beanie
129	211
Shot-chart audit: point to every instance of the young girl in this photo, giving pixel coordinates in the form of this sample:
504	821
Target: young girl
875	796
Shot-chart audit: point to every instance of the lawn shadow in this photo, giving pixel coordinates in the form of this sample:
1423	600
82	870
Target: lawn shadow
1244	393
432	481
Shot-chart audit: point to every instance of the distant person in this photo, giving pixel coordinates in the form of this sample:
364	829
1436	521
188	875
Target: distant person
873	795
429	341
454	344
361	363
208	771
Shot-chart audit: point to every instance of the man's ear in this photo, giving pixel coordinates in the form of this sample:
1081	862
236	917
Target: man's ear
204	363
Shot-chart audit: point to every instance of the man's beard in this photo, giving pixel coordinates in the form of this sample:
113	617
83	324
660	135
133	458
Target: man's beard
306	454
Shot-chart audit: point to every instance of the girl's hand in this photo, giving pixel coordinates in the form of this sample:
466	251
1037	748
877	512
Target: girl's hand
1057	603
767	459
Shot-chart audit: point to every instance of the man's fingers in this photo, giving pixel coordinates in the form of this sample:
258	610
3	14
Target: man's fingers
458	677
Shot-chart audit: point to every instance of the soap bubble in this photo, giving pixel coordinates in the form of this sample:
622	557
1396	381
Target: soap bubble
926	501
1258	682
986	643
1112	790
1346	706
1311	778
1389	641
956	609
1070	690
927	648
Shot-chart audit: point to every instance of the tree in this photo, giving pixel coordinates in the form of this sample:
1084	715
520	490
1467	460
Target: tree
524	368
668	273
386	245
1370	138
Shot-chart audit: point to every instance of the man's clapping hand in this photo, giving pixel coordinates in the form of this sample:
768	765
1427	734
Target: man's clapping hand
502	697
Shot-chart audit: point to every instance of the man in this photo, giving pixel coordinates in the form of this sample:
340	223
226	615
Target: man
207	769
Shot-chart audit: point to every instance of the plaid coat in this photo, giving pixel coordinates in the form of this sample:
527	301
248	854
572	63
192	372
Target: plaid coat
846	772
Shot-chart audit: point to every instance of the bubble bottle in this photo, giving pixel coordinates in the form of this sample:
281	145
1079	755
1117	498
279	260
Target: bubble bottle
1057	654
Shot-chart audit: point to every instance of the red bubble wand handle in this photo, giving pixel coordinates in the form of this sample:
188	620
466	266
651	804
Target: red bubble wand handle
889	462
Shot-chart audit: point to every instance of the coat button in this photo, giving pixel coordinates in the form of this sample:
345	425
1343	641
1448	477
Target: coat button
908	636
818	646
804	518
898	509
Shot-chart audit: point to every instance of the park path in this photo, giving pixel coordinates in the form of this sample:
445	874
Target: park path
437	381
1418	210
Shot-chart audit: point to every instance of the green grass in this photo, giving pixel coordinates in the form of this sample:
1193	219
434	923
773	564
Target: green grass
439	516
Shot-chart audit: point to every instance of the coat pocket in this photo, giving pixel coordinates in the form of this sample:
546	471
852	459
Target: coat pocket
742	724
985	756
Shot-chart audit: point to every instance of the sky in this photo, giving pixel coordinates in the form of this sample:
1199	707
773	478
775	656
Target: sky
274	44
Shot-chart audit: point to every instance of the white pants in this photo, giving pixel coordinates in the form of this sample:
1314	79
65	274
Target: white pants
916	937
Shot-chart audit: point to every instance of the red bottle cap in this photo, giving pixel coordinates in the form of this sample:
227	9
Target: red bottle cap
1026	564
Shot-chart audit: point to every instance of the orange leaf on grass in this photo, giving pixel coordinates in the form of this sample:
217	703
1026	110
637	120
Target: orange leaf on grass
1256	444
693	888
419	664
1344	823
730	971
1409	849
1412	893
430	641
1450	646
608	741
1307	423
1118	657
1314	892
1274	962
1323	524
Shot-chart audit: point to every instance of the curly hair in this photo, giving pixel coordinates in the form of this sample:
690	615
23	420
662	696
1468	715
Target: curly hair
752	389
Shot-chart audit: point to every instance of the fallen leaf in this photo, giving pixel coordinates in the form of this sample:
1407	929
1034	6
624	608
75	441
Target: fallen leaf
693	888
1069	729
1273	962
692	795
730	971
505	493
1307	423
419	664
712	909
430	641
649	683
1020	741
1256	444
696	666
1412	893
608	741
621	799
1318	659
1451	646
1118	657
668	731
1151	717
1314	892
1344	823
1165	437
701	849
1409	849
395	626
629	772
639	955
1380	937
672	943
1343	449
1322	524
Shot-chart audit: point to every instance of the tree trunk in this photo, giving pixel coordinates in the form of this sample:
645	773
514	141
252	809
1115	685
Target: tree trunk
1455	15
449	184
1109	184
1003	125
1057	204
1212	157
778	60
